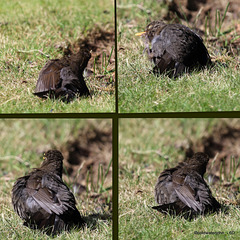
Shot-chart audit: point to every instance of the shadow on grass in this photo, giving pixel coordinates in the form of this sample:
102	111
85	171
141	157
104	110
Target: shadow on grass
190	215
92	220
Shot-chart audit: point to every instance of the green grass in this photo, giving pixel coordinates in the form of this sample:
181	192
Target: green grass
22	142
146	148
213	89
31	30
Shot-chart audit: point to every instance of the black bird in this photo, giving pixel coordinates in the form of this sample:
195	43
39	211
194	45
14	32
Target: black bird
63	78
42	199
175	48
182	190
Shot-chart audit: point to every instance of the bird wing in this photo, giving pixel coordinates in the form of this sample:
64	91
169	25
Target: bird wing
18	196
163	63
49	77
178	40
164	189
186	193
51	193
194	192
45	198
159	45
203	193
165	56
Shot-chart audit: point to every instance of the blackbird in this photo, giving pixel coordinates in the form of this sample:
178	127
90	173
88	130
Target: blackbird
63	78
182	190
175	48
42	199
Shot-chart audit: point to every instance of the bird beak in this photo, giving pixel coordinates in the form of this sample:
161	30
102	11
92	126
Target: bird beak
140	33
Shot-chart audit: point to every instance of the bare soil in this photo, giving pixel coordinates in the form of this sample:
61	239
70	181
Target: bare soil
196	11
101	67
222	147
101	43
83	156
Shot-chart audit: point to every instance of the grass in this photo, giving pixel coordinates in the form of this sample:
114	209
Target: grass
146	147
22	141
214	89
30	33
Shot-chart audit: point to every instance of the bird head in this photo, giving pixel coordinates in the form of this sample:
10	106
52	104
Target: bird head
154	28
53	161
199	162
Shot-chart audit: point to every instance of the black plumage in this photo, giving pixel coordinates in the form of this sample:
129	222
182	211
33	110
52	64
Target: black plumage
63	78
182	190
175	48
42	199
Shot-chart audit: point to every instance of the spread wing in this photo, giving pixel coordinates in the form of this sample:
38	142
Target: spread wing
203	193
190	189
187	194
164	189
51	194
18	196
42	200
194	192
49	77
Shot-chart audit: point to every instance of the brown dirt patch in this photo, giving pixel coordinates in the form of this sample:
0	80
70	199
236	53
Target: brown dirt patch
223	170
101	43
222	146
195	11
84	156
101	66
